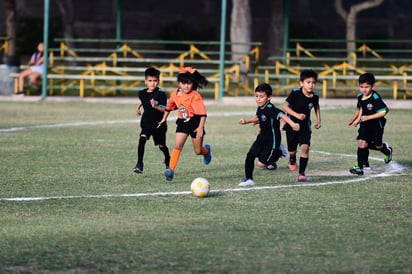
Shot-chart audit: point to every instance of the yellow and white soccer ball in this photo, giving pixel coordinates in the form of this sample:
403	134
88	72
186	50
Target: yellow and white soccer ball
200	187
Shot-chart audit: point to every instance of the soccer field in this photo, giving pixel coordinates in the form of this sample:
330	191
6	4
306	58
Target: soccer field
70	202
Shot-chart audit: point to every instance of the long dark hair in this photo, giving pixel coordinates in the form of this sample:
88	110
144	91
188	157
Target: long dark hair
190	74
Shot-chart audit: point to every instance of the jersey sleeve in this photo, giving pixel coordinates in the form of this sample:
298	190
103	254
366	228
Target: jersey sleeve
171	105
292	97
198	105
162	100
380	105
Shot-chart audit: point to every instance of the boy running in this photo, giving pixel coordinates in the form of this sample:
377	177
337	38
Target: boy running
370	115
153	100
298	106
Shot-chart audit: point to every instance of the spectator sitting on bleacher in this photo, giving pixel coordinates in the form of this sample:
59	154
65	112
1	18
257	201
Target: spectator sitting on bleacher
34	72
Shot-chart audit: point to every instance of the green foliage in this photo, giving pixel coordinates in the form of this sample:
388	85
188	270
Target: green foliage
68	149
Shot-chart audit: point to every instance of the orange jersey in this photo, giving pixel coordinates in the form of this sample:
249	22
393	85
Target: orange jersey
188	104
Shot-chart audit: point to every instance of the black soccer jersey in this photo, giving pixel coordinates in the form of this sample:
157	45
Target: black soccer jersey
371	105
302	104
151	117
269	125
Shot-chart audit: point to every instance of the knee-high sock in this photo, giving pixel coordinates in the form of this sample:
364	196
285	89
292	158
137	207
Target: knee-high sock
249	166
363	154
165	151
140	150
174	158
303	162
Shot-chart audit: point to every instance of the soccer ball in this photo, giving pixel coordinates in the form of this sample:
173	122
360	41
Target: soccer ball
200	187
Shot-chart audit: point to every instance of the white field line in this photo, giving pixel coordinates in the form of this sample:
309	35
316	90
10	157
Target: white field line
96	123
393	169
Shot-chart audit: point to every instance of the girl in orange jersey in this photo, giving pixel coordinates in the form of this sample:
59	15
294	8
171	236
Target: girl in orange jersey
191	116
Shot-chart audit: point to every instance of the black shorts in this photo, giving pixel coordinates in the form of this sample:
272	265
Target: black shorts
265	154
295	138
189	126
159	134
371	135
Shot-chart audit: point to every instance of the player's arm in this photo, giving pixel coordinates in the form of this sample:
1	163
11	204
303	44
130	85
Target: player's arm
288	110
318	120
377	115
295	126
355	118
138	107
199	129
157	106
165	115
252	120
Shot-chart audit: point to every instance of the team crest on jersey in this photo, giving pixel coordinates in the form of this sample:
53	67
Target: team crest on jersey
263	118
369	106
310	106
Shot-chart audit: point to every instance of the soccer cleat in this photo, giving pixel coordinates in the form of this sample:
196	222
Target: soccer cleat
208	157
356	170
302	178
247	182
366	166
169	174
388	158
292	166
138	169
285	152
272	166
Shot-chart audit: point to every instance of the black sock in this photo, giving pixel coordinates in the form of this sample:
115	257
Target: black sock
363	154
165	151
303	162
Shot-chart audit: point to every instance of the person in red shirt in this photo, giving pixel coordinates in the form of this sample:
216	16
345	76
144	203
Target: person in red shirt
191	117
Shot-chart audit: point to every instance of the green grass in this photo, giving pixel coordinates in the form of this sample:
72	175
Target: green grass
353	227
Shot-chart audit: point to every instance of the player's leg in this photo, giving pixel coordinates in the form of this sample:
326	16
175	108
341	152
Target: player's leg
140	153
180	141
292	141
383	146
250	164
159	139
362	157
303	162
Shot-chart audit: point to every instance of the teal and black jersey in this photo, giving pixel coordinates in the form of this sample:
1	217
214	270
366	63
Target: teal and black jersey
302	104
269	124
151	117
371	105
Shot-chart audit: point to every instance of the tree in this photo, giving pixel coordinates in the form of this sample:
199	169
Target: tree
350	19
10	11
276	28
66	10
240	28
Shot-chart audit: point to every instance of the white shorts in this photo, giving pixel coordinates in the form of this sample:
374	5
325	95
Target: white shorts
37	68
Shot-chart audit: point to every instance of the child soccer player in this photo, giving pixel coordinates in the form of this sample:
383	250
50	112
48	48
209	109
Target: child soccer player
370	114
266	147
298	106
191	116
153	100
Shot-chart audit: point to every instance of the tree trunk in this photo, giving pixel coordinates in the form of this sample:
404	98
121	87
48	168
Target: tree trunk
10	11
350	19
240	28
276	33
66	10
